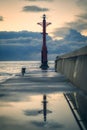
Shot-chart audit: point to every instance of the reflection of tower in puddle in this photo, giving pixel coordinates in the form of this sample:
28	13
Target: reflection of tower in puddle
45	111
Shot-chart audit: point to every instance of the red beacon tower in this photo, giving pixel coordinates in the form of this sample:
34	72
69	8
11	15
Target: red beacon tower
44	60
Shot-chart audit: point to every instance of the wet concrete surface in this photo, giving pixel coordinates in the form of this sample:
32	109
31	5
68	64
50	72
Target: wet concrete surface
36	101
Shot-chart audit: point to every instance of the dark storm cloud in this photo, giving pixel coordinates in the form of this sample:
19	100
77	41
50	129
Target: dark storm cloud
24	45
82	16
34	9
1	18
61	32
70	35
13	34
80	24
82	4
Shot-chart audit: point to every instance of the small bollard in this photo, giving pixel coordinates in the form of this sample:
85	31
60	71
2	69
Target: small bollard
23	71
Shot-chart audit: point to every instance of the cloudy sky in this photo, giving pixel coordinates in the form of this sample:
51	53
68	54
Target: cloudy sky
16	15
20	36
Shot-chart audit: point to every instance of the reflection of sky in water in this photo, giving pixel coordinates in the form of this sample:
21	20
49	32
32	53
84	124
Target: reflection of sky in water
24	114
51	124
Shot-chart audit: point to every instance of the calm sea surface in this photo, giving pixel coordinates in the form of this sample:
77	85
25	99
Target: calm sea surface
37	100
9	69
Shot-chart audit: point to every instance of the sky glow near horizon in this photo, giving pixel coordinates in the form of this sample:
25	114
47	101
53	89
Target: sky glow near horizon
25	14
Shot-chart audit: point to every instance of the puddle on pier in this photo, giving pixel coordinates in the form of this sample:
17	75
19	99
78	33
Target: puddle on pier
42	111
41	101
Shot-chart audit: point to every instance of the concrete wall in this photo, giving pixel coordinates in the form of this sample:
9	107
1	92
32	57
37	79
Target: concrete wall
74	67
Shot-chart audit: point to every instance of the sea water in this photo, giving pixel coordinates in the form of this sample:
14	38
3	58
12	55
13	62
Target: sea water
9	69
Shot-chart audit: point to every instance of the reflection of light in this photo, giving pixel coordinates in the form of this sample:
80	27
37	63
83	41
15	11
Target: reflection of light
57	38
84	32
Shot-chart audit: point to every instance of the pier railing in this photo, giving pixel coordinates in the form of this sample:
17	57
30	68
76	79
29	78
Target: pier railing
74	66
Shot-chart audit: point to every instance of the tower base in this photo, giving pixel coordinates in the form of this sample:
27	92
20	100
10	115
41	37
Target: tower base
44	66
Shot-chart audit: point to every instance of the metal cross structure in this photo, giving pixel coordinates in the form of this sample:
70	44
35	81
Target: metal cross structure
44	60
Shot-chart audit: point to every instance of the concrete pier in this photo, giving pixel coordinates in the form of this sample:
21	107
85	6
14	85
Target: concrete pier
38	82
74	67
23	99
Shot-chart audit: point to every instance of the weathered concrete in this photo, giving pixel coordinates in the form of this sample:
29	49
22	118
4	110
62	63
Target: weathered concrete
74	67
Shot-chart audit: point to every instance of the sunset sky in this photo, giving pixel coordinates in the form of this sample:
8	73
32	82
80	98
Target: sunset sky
17	15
